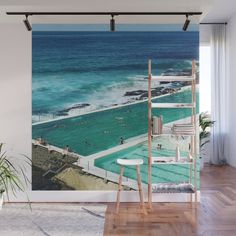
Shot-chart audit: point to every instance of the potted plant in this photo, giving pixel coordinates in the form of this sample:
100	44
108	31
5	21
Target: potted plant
12	176
205	124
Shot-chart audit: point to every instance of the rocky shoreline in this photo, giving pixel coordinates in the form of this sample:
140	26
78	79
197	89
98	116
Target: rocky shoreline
133	95
65	111
139	94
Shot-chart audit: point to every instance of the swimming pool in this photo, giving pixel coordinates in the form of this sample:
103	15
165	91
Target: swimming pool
160	173
98	131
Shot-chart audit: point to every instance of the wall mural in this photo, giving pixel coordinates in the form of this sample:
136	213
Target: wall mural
89	102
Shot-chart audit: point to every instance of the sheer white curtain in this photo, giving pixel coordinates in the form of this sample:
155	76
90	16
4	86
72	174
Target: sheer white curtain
219	95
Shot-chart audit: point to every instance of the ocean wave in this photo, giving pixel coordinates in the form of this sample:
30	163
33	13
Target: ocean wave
114	94
102	92
100	97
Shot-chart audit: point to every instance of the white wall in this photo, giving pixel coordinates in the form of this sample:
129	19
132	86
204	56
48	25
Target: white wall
15	79
15	85
231	37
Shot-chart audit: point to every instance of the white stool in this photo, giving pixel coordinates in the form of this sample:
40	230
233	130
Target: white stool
130	162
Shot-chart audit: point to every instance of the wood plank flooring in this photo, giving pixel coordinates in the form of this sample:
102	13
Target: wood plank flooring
214	216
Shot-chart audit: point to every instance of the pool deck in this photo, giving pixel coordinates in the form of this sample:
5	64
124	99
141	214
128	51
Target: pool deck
87	162
90	167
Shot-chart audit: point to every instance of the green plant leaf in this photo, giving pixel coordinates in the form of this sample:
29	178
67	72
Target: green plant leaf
11	174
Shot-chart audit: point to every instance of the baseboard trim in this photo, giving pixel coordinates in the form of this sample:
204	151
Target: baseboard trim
98	196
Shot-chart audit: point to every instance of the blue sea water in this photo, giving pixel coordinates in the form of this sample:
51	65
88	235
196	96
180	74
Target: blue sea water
99	67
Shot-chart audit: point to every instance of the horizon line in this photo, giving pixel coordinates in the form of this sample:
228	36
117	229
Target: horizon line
119	27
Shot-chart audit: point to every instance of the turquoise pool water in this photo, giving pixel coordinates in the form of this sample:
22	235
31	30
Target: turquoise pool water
98	131
160	173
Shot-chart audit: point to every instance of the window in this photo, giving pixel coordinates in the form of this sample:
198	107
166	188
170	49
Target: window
205	78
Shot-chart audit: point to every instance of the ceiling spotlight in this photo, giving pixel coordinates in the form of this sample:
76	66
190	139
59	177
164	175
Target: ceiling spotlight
27	24
186	23
112	24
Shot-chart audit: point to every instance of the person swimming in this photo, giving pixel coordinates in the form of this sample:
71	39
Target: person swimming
159	146
122	140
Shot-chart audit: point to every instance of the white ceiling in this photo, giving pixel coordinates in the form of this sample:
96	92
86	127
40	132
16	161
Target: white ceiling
221	11
213	10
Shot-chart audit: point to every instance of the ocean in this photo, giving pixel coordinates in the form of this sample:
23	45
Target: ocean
75	71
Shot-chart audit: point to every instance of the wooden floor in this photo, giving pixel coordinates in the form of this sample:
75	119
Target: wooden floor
214	216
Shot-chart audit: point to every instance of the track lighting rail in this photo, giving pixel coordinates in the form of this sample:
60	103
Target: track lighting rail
112	14
104	13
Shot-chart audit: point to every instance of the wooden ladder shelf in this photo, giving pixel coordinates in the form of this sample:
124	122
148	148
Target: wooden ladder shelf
193	149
